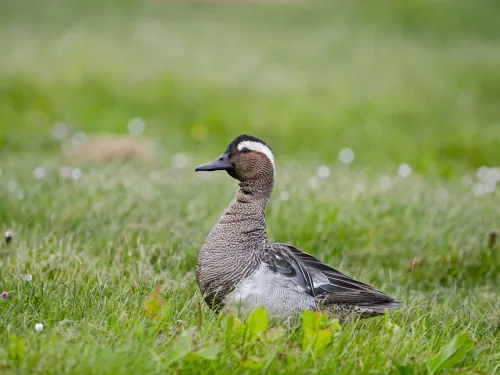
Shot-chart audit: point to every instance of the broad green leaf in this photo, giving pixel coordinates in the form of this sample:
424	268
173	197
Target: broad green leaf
273	335
307	319
238	327
232	325
317	332
153	304
16	348
257	322
313	320
229	330
402	368
479	352
308	338
334	325
181	346
208	353
250	362
321	341
451	354
316	341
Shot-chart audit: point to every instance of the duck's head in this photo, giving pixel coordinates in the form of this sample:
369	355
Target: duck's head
246	158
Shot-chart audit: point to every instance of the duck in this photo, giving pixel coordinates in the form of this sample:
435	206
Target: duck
238	269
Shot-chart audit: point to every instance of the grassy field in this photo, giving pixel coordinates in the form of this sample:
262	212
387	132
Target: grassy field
413	82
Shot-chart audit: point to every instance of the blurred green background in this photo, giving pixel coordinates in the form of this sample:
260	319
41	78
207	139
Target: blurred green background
410	81
411	87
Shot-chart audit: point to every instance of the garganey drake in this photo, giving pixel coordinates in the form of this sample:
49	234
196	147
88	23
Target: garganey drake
240	269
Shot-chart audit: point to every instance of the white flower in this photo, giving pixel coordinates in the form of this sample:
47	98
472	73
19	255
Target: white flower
323	172
313	183
346	155
488	175
59	131
495	174
385	182
12	186
39	173
28	278
482	173
179	160
404	170
136	126
78	140
481	188
76	174
8	235
38	327
284	195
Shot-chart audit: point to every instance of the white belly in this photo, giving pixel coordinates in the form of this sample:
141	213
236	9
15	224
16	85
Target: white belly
276	293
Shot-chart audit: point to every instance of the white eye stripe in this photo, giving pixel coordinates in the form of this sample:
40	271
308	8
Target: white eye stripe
257	146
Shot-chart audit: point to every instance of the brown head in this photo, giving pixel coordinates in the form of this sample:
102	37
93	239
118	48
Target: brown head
246	158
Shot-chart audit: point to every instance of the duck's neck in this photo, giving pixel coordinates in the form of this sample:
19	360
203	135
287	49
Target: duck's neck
231	251
241	230
245	216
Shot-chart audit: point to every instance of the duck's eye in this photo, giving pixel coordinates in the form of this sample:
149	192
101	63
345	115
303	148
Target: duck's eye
245	150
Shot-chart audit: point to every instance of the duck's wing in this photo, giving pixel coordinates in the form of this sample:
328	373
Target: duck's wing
320	280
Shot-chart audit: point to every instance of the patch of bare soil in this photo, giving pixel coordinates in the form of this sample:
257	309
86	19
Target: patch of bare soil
111	148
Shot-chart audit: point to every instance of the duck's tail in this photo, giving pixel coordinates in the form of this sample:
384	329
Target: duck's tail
381	307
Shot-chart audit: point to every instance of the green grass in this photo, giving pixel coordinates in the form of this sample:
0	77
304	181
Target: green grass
415	82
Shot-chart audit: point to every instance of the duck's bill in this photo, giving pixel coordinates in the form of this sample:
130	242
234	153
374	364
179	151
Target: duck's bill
222	163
